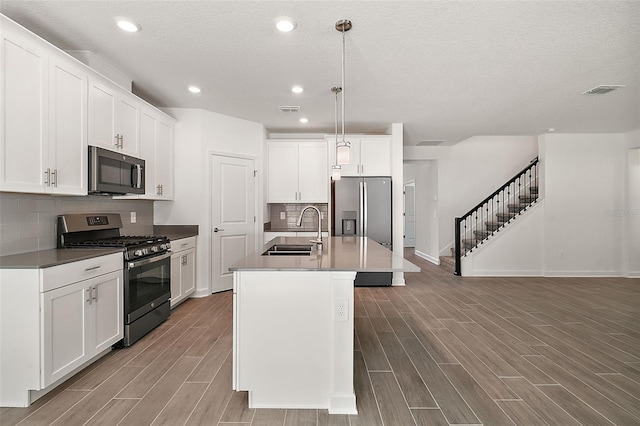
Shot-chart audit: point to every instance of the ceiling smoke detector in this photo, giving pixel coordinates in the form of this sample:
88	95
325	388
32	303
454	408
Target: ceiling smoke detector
603	88
289	108
430	142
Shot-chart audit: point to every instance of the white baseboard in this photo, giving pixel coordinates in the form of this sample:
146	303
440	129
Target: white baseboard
633	274
425	256
505	273
584	274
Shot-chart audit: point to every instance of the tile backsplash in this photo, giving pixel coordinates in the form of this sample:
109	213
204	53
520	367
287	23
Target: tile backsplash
28	221
292	212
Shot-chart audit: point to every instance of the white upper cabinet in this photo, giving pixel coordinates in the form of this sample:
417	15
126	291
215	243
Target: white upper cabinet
53	106
43	116
368	156
68	126
156	148
114	117
297	172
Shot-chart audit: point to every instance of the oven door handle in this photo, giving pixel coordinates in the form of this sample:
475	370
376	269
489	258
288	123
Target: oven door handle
148	260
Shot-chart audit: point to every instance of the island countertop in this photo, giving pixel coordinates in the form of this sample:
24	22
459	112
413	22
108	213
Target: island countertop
360	254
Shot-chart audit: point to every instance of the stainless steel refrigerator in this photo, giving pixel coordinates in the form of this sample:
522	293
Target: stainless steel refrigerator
362	207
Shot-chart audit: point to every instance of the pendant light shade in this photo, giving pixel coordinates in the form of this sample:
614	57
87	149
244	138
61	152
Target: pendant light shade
336	172
342	152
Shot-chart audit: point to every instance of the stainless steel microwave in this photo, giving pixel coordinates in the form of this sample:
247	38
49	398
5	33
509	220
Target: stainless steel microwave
112	172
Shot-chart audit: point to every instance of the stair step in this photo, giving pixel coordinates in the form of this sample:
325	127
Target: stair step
505	217
533	190
492	226
470	243
482	234
516	207
527	198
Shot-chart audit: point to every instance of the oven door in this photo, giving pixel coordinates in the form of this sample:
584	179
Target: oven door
147	285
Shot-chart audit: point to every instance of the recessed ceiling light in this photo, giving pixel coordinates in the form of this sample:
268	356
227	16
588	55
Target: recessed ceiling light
128	25
194	89
285	24
304	120
551	130
297	89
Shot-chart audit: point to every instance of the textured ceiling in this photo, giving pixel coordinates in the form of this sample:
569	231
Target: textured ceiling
447	70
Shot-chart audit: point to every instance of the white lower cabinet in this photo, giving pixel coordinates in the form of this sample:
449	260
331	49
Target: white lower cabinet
80	320
54	321
183	269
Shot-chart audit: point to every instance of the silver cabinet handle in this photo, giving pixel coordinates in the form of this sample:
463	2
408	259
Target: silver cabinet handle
117	142
93	268
54	177
217	230
89	295
161	190
184	244
95	293
47	180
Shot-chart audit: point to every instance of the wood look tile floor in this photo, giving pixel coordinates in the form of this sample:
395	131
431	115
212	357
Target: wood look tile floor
443	350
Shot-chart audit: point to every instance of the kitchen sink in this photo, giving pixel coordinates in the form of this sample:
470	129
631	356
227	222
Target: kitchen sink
289	250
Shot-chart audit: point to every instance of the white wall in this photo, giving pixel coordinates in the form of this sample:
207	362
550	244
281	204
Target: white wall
470	171
584	181
632	211
198	134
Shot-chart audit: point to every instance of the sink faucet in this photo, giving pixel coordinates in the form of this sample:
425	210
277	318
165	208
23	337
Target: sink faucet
318	240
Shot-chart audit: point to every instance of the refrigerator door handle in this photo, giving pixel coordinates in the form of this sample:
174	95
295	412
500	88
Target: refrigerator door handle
361	208
365	204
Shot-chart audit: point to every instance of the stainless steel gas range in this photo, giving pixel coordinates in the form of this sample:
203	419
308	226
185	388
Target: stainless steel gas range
147	267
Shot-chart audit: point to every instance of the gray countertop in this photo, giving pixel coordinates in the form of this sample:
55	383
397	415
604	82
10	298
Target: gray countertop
338	254
53	257
176	232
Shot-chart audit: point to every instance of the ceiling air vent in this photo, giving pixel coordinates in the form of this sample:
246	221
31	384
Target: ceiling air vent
602	89
290	108
430	142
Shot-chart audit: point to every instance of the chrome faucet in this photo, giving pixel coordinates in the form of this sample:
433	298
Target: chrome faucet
318	240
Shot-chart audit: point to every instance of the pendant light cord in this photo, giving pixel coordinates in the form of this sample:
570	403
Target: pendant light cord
343	43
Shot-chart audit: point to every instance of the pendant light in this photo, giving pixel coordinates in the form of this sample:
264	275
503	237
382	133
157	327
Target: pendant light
343	147
336	169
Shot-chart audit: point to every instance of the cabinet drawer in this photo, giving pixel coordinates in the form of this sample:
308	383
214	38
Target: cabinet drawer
59	276
183	244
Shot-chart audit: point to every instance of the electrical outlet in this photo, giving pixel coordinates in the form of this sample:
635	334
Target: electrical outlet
322	215
342	310
133	217
283	215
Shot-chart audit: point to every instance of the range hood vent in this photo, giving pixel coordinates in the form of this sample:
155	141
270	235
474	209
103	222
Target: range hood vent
289	108
602	89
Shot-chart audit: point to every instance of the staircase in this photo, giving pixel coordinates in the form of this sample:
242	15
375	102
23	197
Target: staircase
495	212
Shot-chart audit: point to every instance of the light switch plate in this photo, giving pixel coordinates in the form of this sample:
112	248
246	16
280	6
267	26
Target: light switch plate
283	215
133	217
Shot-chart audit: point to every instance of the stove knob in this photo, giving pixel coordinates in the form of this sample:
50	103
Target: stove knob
138	253
154	249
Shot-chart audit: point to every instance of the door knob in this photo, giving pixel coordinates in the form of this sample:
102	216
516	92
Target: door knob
217	230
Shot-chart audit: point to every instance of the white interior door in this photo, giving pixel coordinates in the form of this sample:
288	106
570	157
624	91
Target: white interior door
233	228
410	215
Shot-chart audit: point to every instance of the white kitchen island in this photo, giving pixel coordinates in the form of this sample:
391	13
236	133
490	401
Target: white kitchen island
293	322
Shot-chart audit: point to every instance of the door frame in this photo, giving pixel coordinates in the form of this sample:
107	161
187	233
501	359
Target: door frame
256	206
